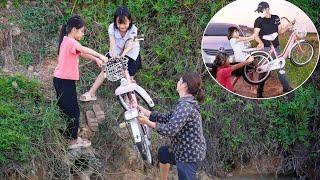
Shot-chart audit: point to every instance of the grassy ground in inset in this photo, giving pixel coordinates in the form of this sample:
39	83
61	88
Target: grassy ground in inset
297	75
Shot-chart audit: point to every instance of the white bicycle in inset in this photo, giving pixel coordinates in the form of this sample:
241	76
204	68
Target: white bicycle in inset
116	69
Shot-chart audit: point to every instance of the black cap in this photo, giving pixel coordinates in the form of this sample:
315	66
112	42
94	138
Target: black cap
262	5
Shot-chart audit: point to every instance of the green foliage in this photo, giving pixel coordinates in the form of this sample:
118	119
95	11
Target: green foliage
24	117
297	75
40	27
25	58
234	127
14	2
255	128
310	7
289	122
4	3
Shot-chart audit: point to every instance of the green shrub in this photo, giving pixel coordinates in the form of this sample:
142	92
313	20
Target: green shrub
235	128
290	122
25	59
25	116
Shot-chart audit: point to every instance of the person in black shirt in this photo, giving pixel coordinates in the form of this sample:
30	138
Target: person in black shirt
265	25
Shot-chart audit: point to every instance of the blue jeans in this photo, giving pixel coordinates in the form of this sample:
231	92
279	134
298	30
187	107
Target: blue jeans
186	170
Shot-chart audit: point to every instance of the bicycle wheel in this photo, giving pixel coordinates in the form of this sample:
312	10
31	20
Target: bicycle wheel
301	53
250	73
144	146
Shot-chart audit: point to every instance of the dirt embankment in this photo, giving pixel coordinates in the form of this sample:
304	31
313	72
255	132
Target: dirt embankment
272	87
118	160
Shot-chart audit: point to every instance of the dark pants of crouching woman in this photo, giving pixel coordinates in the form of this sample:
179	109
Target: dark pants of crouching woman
186	170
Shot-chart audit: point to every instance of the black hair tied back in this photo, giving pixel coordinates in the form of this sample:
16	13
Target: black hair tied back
74	22
194	83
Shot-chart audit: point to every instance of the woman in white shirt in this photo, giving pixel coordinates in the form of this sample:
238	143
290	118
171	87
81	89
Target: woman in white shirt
238	45
119	32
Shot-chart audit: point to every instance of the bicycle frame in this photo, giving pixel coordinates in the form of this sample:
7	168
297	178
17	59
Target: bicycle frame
139	132
129	87
131	113
286	52
126	93
279	61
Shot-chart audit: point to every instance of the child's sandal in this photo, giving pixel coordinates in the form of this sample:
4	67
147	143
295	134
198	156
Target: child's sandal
79	144
87	97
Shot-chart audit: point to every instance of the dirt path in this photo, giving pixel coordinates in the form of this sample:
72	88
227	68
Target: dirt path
45	74
272	87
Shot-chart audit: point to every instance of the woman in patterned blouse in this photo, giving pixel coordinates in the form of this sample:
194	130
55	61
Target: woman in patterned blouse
183	125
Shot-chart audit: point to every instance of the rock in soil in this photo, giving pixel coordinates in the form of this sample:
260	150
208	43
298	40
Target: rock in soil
80	161
92	121
100	115
15	31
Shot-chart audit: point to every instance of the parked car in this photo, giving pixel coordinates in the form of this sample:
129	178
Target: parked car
215	39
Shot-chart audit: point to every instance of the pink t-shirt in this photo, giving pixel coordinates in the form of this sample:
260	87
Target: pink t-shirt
68	60
223	77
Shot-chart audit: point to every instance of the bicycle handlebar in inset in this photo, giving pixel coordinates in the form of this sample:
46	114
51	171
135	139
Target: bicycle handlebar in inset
291	22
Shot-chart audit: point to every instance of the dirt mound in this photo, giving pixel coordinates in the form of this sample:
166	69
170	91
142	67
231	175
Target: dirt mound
272	87
45	74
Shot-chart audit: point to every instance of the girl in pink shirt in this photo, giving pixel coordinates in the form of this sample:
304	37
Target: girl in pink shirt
222	70
67	72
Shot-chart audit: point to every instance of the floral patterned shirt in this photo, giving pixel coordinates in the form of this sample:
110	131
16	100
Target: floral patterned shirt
184	127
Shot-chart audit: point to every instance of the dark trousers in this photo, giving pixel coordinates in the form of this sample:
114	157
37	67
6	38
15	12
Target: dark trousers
282	76
68	103
186	170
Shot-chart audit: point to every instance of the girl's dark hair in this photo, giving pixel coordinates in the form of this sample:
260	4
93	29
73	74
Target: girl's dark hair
74	22
219	61
194	83
121	13
231	30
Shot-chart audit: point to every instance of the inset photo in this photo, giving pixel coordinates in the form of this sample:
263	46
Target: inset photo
260	49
